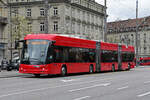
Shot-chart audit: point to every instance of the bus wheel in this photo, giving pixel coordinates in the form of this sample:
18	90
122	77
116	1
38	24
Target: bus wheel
37	75
113	68
63	71
91	69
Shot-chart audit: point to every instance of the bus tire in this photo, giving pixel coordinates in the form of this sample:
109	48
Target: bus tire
91	69
113	68
37	75
63	71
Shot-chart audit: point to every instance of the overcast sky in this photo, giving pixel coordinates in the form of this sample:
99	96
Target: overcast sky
125	9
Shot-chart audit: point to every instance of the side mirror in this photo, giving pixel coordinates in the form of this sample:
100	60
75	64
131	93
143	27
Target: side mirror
50	58
53	42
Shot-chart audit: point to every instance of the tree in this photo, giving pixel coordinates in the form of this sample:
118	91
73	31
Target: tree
1	1
20	27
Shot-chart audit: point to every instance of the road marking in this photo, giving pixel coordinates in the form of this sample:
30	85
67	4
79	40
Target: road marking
144	94
82	98
146	82
125	87
46	88
105	84
71	80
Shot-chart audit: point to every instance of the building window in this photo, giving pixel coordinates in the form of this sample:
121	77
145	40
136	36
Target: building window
29	27
55	10
83	14
55	25
16	12
42	12
29	12
79	25
73	27
73	12
145	49
78	13
42	26
16	28
83	28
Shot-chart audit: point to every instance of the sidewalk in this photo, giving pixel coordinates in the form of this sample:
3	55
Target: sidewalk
8	74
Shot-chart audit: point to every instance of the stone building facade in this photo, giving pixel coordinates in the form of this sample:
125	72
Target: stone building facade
82	18
3	34
124	31
77	17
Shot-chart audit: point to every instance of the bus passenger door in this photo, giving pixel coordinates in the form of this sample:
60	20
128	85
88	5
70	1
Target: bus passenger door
98	56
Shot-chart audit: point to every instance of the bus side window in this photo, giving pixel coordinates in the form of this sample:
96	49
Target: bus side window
58	54
65	55
50	55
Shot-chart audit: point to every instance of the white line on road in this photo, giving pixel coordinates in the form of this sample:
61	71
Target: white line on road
105	84
45	88
125	87
144	94
71	80
82	98
146	82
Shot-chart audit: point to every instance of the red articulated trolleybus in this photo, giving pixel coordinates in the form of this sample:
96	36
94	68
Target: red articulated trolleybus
55	54
144	61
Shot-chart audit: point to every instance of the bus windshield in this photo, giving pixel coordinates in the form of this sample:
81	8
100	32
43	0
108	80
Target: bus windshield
34	52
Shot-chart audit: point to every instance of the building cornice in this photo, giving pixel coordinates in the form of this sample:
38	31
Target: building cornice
85	8
37	2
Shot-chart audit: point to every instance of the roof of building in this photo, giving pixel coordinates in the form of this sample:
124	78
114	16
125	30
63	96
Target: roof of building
128	25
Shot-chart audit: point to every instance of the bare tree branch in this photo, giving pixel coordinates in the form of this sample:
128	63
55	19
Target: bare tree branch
3	3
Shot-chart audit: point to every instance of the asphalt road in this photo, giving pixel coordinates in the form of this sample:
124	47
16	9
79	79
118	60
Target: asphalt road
123	85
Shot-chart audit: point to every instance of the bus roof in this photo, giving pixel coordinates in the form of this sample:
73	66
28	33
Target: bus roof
76	42
109	46
63	40
127	48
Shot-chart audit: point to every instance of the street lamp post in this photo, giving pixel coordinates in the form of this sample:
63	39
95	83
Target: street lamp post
46	15
137	38
105	22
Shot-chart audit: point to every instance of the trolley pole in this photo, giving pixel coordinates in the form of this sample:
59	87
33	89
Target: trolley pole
105	22
137	37
46	16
